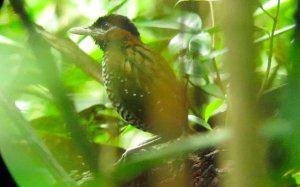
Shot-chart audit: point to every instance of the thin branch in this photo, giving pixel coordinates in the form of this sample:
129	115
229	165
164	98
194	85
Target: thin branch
219	81
273	76
276	33
275	19
265	11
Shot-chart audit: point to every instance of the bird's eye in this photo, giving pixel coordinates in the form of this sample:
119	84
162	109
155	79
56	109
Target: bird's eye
105	26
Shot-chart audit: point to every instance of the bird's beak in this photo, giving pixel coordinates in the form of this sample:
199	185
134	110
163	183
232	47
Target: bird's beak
97	34
81	31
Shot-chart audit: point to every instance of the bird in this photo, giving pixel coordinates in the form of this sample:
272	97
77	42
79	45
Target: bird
139	82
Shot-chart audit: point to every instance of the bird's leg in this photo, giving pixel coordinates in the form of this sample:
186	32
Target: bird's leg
146	144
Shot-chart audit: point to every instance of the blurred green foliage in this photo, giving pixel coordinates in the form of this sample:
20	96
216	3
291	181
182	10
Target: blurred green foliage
184	33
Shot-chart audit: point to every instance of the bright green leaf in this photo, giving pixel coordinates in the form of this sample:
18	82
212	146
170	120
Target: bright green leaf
211	108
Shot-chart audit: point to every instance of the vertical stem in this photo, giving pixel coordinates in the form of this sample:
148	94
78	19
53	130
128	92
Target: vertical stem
245	148
218	77
265	81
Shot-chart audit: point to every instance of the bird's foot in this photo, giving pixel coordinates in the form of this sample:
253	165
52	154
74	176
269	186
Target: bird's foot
144	146
128	153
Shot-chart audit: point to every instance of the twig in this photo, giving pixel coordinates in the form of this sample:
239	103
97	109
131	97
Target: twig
264	10
275	19
219	81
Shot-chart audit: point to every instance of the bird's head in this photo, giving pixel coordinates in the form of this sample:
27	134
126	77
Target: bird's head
104	24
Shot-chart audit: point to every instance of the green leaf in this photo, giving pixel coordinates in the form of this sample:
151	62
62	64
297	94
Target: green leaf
296	176
213	90
179	42
199	121
200	44
211	108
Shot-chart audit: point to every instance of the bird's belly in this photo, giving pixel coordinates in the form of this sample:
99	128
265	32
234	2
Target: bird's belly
127	100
